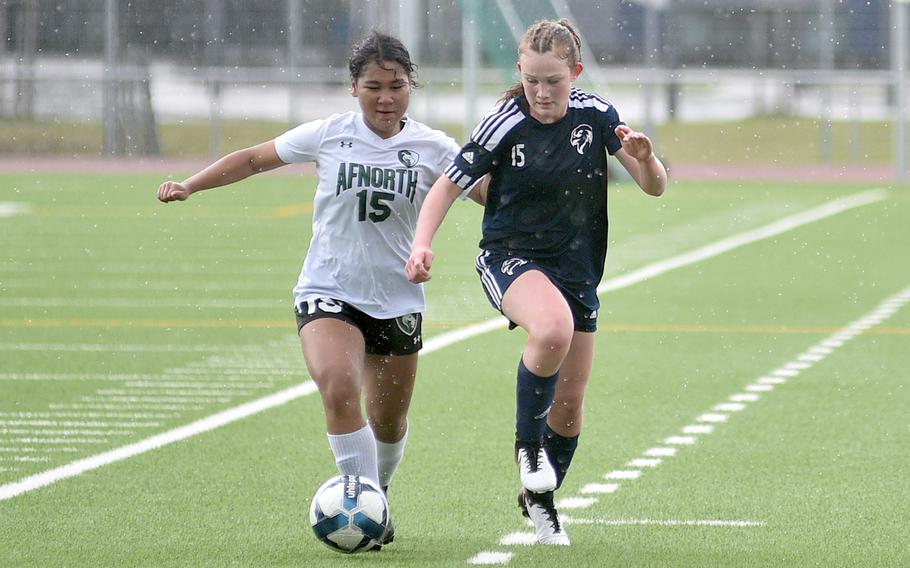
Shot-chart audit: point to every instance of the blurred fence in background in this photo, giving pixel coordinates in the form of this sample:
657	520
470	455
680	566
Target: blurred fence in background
129	68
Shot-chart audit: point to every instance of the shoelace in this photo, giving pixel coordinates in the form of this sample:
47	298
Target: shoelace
552	516
546	502
533	454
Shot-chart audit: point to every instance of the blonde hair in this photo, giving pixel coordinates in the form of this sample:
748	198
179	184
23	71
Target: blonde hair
544	36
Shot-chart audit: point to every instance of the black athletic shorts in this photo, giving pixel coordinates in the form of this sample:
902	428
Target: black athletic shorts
395	336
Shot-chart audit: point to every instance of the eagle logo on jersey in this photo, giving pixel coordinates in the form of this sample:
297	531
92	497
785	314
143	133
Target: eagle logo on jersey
582	137
407	323
408	158
509	266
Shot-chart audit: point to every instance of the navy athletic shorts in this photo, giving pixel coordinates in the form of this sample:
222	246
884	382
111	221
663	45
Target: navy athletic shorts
498	271
395	336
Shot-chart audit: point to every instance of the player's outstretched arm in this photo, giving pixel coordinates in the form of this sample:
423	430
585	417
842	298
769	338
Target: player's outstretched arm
440	198
637	156
229	169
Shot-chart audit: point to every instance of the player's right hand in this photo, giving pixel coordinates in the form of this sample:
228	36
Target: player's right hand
418	267
172	191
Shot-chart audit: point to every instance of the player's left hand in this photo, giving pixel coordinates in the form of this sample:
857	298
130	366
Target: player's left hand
636	144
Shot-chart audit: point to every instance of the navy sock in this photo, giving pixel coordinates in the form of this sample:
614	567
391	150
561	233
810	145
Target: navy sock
560	450
534	397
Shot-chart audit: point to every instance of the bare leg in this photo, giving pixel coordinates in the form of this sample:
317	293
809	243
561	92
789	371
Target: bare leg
334	353
388	387
538	307
568	405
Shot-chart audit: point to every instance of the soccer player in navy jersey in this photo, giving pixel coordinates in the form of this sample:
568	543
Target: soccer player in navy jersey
545	146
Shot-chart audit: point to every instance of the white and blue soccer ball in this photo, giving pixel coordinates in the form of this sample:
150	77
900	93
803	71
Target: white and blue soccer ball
349	514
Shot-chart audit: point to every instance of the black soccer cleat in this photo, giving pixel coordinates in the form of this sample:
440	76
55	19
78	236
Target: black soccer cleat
387	537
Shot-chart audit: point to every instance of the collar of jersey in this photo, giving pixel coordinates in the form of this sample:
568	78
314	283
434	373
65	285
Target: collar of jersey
362	123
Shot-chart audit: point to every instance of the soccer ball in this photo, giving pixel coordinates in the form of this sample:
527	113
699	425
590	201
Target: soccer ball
349	514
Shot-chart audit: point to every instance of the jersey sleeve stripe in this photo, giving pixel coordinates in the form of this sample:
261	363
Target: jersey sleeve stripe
458	177
581	99
490	134
490	117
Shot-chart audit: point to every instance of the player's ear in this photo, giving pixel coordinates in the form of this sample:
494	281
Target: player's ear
354	88
576	71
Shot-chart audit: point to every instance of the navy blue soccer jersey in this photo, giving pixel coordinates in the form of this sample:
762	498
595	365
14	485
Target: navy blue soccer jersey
547	198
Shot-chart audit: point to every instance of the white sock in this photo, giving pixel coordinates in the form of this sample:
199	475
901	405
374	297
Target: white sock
355	453
389	457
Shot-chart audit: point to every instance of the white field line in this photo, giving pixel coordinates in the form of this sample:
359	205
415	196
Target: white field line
174	392
77	424
90	441
284	372
120	407
78	467
186	400
877	316
191	385
206	424
113	377
9	208
26	459
529	538
274	367
127	348
19	450
94	415
724	245
64	432
130	378
665	522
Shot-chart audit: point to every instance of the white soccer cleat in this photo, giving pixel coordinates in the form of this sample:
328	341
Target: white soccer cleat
537	474
540	509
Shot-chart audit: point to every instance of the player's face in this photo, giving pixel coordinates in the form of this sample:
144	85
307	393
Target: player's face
547	82
383	91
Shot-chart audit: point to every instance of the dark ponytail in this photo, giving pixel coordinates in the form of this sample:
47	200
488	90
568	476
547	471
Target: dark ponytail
381	47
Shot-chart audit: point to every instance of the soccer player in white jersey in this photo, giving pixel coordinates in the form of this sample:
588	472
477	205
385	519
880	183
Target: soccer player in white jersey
358	317
544	243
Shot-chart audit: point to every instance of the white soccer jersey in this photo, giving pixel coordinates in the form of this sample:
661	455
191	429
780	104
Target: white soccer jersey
365	209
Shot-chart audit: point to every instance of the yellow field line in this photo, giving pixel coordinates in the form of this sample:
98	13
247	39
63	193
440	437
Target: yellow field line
282	212
288	323
293	210
768	329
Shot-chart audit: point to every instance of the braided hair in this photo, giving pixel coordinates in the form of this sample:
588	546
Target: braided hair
558	36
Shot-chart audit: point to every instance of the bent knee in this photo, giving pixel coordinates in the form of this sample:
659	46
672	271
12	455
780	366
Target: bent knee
339	391
553	333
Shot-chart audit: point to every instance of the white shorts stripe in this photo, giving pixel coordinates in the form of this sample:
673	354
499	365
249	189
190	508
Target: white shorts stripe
489	283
